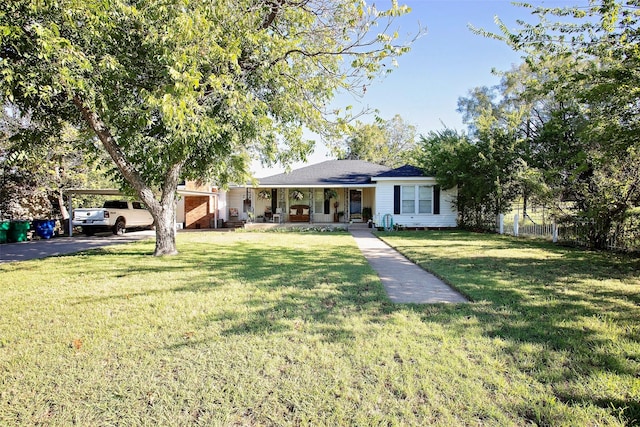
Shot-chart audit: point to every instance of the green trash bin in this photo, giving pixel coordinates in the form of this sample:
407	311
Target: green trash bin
4	227
18	231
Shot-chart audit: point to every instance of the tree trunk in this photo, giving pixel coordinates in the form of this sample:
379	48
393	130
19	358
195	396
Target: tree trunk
62	205
165	213
165	231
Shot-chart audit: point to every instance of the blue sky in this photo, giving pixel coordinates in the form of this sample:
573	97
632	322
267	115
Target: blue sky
442	66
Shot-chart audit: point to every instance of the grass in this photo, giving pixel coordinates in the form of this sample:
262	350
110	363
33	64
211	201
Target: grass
568	319
295	329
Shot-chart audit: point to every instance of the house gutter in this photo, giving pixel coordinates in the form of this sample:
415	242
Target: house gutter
327	185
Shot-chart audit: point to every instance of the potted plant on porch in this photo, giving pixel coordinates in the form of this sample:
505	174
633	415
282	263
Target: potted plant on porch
330	194
367	215
296	195
264	195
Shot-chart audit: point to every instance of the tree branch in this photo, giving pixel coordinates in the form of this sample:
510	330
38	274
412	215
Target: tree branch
112	147
274	6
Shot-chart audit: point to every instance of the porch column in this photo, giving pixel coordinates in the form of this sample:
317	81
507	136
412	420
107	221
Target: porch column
70	196
215	212
253	205
310	191
345	208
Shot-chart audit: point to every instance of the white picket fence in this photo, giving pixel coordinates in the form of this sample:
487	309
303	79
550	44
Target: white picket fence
517	229
573	233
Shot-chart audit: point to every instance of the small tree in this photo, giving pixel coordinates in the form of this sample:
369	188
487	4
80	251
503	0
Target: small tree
484	170
33	177
390	143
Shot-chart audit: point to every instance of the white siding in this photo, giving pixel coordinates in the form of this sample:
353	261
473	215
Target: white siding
384	201
321	217
223	212
235	198
384	205
180	214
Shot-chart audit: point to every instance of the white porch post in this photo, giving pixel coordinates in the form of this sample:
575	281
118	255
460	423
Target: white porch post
70	215
215	212
252	212
516	226
501	223
345	209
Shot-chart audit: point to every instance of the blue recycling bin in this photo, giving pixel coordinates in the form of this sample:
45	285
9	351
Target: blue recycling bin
44	227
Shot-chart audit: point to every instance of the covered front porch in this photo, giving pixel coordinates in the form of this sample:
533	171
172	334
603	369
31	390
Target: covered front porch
304	226
308	205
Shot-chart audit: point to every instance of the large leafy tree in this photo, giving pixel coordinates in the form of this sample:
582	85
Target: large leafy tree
583	66
516	107
484	167
179	89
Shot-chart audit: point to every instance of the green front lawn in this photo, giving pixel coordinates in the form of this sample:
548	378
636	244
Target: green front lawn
295	329
568	319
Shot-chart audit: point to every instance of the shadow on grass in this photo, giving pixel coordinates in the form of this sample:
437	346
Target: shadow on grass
579	309
554	304
301	289
280	288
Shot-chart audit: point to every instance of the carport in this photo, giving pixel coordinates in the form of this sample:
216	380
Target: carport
213	200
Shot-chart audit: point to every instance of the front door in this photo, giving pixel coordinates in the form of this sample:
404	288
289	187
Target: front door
355	205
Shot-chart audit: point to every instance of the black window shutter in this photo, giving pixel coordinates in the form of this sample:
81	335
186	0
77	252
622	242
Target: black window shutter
436	200
327	203
396	199
274	200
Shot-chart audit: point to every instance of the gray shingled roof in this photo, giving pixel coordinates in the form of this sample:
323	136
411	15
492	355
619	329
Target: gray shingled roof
329	173
406	171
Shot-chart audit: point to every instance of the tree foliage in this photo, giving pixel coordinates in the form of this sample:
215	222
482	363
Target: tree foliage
572	109
485	169
33	177
387	142
179	89
591	62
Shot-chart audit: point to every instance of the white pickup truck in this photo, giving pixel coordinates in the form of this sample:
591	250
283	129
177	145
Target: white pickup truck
115	216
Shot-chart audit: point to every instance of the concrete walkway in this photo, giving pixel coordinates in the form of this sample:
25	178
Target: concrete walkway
403	280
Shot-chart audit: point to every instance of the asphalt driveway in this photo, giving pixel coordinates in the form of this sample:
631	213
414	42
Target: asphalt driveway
23	251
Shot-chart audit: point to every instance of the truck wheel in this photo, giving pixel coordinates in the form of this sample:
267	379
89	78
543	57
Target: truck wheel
119	228
88	231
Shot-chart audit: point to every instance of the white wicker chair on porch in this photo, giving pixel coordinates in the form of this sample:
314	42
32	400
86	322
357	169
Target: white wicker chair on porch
277	217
